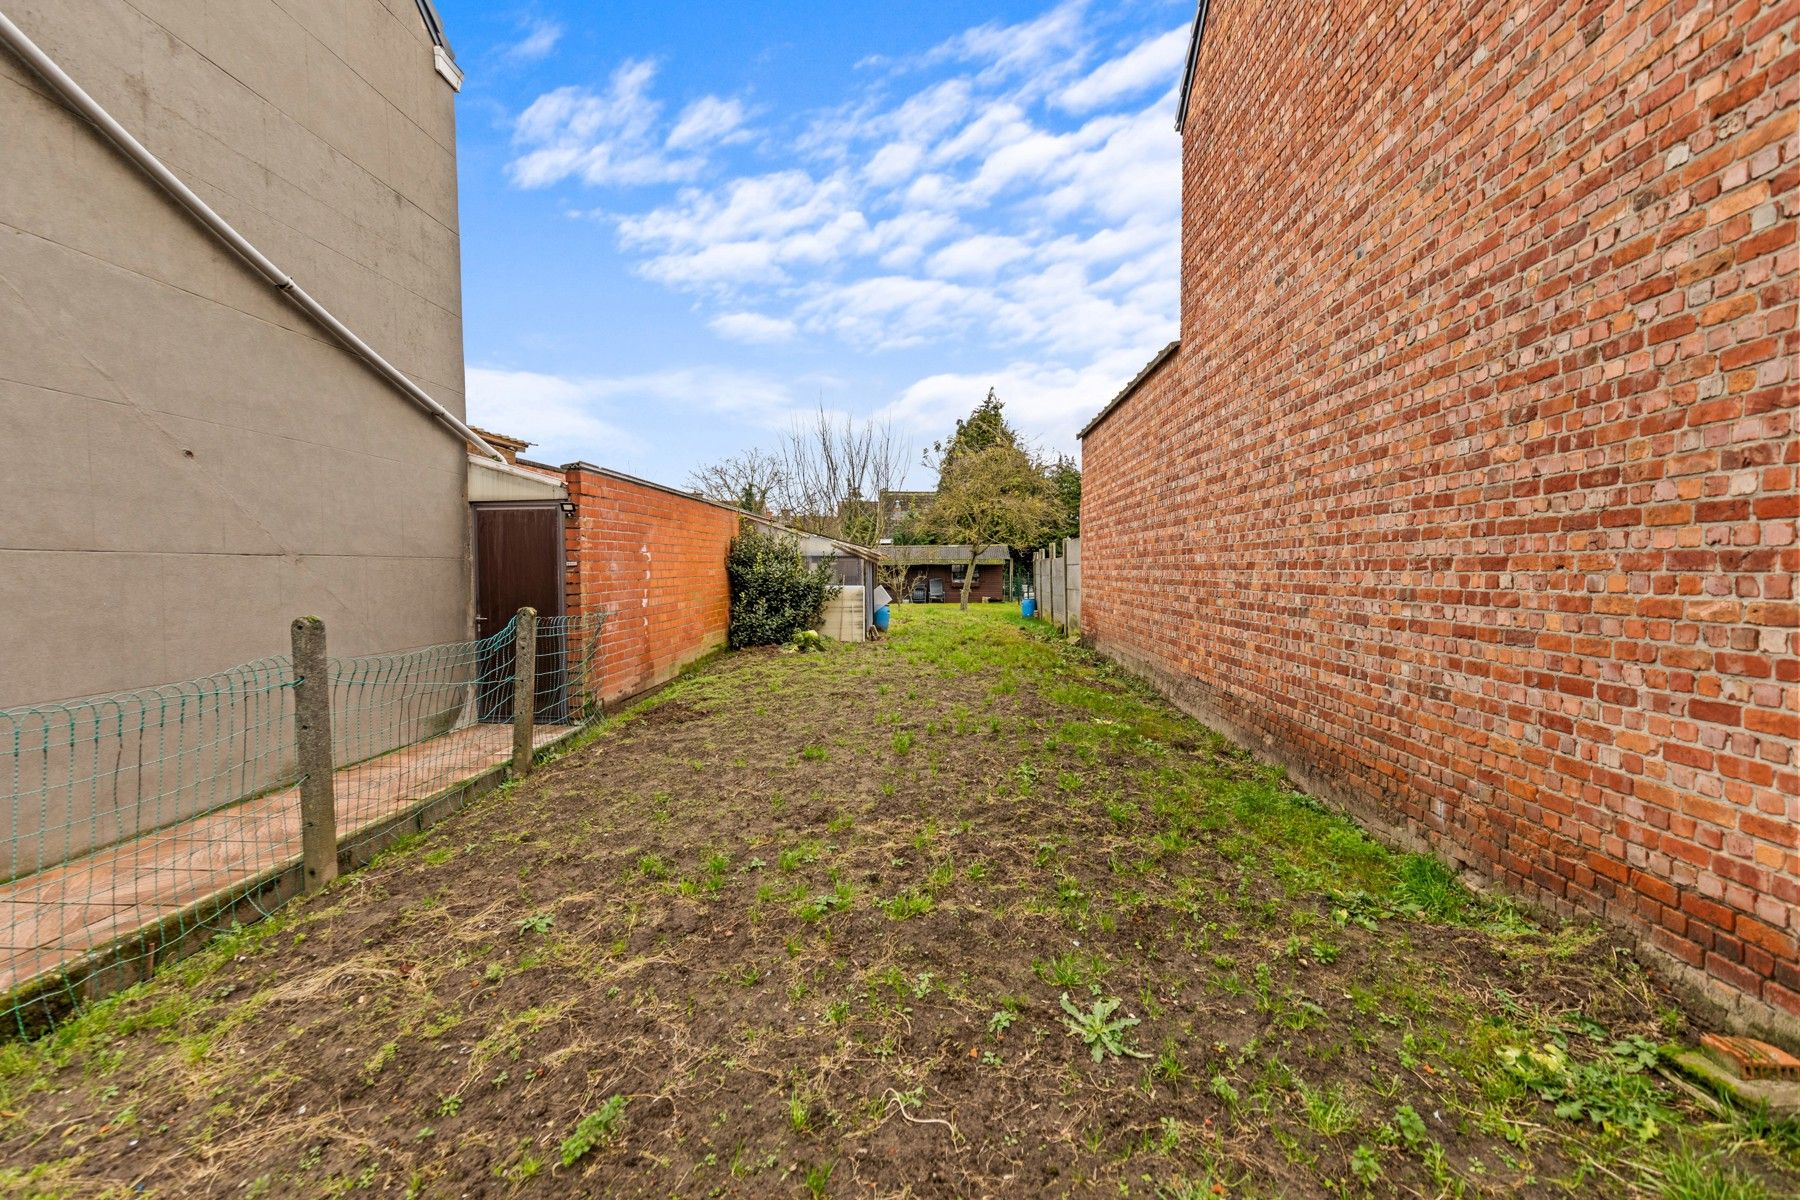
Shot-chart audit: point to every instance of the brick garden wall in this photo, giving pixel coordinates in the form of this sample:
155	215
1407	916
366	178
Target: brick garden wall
654	560
1470	493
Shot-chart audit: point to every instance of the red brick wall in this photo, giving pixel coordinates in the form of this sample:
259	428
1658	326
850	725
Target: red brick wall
1470	493
655	561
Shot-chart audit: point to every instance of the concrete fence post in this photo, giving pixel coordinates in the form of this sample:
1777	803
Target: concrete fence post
312	743
524	690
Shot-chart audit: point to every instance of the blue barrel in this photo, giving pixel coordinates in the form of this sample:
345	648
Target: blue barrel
1028	607
881	618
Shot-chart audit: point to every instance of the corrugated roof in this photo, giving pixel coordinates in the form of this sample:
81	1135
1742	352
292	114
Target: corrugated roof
1162	356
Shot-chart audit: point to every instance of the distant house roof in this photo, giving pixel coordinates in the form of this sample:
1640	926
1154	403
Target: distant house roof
1193	59
944	556
1162	356
434	25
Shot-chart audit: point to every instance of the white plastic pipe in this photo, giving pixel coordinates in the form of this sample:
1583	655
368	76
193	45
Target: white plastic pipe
78	99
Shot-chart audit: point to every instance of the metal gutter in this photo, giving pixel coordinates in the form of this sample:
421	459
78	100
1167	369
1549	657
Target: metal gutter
77	98
1193	60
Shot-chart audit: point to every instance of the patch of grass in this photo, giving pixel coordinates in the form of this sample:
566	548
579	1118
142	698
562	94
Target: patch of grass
1427	888
906	905
1071	969
1682	1175
818	1179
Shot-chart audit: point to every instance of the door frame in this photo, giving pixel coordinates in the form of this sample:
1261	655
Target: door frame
562	555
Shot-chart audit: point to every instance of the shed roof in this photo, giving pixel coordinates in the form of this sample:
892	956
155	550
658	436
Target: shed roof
945	555
1162	356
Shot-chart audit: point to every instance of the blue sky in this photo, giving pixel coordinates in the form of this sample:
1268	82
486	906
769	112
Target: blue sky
683	225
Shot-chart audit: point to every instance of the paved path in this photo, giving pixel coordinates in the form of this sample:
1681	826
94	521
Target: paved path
53	916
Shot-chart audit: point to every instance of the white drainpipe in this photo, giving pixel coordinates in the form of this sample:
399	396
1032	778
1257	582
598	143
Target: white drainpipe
119	136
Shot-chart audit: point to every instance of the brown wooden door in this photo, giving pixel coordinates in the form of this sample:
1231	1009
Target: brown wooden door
518	564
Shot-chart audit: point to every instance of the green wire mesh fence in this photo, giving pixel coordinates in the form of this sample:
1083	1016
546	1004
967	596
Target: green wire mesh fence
141	824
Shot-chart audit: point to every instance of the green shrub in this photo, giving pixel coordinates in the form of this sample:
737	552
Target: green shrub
774	594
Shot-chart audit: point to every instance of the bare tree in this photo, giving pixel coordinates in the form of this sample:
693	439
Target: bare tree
752	479
825	475
834	469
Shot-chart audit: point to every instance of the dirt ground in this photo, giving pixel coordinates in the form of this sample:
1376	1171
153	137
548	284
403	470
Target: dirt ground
962	913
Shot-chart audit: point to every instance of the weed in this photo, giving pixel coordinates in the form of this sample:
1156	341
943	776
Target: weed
1365	1164
1102	1032
795	857
1226	1094
594	1130
537	922
380	1059
1001	1021
824	903
1612	1093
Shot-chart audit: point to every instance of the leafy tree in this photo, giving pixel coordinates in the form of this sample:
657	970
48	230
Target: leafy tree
982	429
774	594
988	495
1064	478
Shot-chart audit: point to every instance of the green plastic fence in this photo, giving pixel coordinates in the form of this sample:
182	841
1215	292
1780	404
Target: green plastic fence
141	824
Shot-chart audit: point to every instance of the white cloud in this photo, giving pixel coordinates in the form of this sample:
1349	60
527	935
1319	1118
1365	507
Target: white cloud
1014	191
537	43
708	121
570	417
615	137
980	256
752	328
1048	403
1151	64
563	417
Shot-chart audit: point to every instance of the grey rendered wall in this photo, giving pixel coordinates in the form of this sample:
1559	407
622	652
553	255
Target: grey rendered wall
190	462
